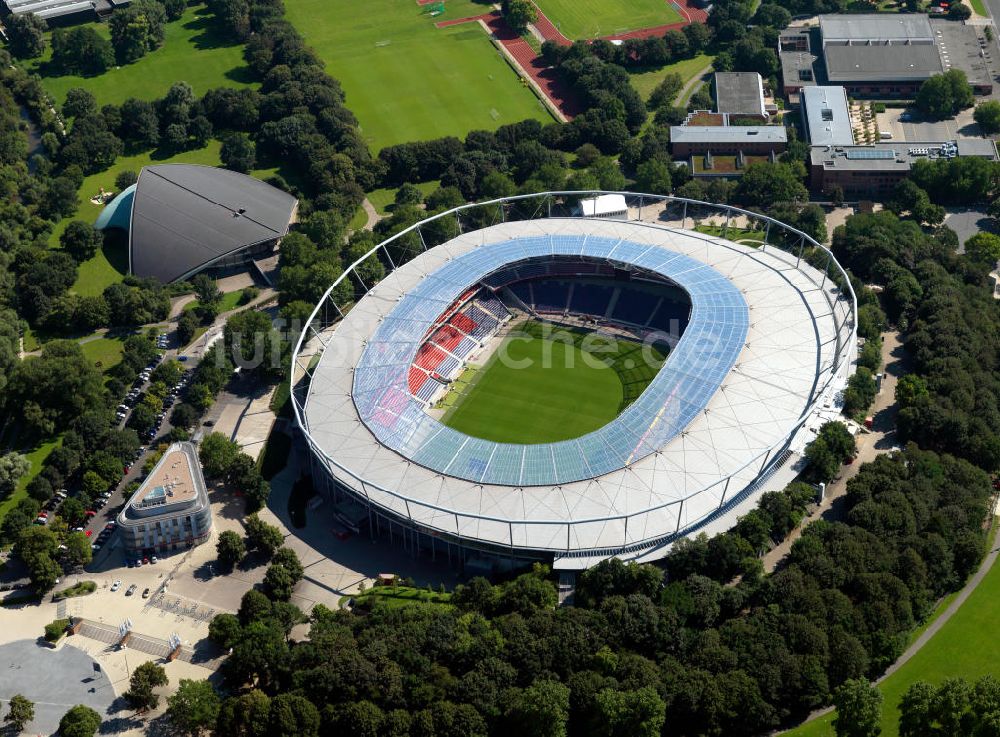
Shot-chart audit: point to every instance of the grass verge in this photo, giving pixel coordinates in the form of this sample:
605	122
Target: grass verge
80	589
397	597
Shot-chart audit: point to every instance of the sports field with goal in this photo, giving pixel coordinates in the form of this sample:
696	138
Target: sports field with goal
407	80
548	383
578	19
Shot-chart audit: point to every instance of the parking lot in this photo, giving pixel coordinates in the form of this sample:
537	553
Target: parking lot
907	126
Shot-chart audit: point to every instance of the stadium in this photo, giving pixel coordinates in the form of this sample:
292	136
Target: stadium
456	405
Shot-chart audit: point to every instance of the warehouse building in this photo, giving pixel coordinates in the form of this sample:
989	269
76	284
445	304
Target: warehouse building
886	56
62	12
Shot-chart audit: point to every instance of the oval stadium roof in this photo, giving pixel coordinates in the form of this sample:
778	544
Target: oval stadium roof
186	217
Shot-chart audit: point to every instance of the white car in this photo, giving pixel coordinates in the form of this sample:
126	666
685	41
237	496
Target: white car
116	585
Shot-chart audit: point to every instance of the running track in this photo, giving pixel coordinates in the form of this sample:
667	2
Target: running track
559	93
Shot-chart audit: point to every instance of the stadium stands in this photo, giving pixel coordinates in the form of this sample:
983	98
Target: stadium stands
469	320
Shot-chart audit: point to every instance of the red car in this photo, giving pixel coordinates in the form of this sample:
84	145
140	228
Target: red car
88	533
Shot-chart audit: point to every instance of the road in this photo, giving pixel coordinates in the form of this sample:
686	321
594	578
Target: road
193	354
881	439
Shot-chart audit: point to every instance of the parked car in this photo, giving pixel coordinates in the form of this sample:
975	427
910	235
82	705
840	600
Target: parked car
116	585
145	593
130	590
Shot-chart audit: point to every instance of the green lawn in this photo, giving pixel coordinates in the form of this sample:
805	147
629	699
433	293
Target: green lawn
104	351
645	82
980	8
36	456
192	52
595	18
384	199
399	596
407	80
544	388
965	646
111	263
229	301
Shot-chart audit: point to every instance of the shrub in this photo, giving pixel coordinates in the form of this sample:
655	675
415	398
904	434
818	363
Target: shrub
55	629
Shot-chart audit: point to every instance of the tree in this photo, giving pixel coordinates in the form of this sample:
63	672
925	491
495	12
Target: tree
238	152
984	247
244	716
81	240
141	684
519	14
27	35
81	50
540	710
943	95
187	324
194	707
12	467
284	572
205	288
638	713
859	709
764	184
293	715
217	453
262	536
653	177
21	711
79	102
80	721
987	115
78	550
125	179
230	548
137	29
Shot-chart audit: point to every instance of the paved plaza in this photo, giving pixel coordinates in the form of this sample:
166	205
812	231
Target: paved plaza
55	680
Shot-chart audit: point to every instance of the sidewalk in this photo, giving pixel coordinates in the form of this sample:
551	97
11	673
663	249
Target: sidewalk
881	439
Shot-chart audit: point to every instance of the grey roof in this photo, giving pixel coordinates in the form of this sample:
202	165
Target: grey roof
48	8
893	27
728	134
826	116
186	217
741	93
882	63
894	156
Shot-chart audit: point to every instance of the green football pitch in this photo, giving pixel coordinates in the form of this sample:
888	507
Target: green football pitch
594	18
546	384
406	80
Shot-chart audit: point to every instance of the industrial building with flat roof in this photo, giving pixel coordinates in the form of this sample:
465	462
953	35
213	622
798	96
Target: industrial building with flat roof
62	12
882	55
826	116
170	511
740	93
183	219
874	171
689	140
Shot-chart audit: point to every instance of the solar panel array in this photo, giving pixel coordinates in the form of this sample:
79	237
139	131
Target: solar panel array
690	377
871	154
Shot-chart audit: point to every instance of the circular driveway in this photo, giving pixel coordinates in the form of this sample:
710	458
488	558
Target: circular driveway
54	679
